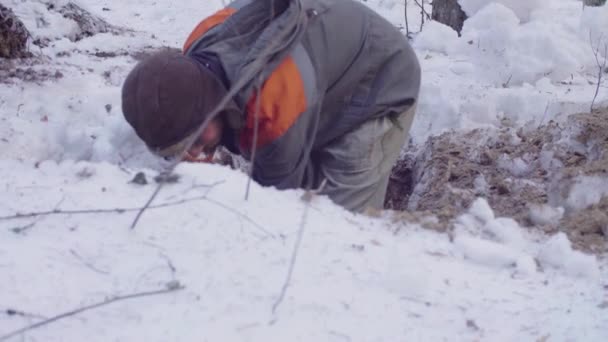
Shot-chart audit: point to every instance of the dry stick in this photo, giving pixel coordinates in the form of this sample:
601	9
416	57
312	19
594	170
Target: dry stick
307	197
428	16
423	12
256	119
124	210
88	264
292	263
100	211
601	66
407	25
148	203
241	215
172	287
13	312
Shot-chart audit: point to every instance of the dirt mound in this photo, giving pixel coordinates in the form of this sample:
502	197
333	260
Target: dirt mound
13	35
533	174
88	24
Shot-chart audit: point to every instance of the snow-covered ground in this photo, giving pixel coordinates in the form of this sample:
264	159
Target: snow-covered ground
65	146
355	279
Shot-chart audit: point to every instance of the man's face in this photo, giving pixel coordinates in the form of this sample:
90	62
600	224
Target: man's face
208	140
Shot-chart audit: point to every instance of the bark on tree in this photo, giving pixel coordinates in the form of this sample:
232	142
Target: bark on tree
450	13
13	35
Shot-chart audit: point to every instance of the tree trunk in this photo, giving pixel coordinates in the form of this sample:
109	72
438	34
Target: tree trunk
13	35
450	13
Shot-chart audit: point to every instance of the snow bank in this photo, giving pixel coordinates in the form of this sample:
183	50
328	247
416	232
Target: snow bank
501	242
523	9
586	191
436	37
594	26
522	52
517	63
354	278
558	253
545	214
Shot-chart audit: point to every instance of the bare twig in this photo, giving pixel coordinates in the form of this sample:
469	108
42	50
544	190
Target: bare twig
197	186
13	312
88	264
407	25
171	287
159	186
422	9
21	229
241	215
423	13
600	64
99	211
169	264
307	198
124	210
544	114
254	147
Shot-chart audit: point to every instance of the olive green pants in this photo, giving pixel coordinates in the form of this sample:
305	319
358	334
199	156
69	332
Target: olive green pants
357	166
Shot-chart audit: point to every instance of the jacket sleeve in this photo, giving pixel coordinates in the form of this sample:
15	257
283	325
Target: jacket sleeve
285	163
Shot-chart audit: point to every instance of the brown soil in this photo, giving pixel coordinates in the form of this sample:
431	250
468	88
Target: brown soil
88	24
27	69
13	35
515	169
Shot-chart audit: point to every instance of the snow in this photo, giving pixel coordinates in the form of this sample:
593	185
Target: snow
523	61
522	9
64	145
558	253
586	191
436	37
501	242
516	166
545	214
354	277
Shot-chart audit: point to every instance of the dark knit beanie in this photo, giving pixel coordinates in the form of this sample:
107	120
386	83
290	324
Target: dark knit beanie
166	97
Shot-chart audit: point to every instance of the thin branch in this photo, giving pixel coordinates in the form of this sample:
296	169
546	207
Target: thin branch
169	264
21	229
241	215
88	264
100	211
171	287
124	210
407	25
254	147
307	198
601	66
423	10
422	13
159	186
13	312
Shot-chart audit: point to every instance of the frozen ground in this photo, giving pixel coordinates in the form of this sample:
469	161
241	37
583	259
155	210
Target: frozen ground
65	146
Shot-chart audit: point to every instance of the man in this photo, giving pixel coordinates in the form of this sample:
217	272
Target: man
316	91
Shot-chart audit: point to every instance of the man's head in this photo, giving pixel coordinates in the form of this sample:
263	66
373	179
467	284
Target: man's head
166	98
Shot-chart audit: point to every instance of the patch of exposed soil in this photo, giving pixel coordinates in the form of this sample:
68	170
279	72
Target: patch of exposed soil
13	35
520	171
88	24
28	70
149	51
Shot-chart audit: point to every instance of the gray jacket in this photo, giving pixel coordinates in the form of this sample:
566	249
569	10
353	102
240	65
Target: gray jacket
353	66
